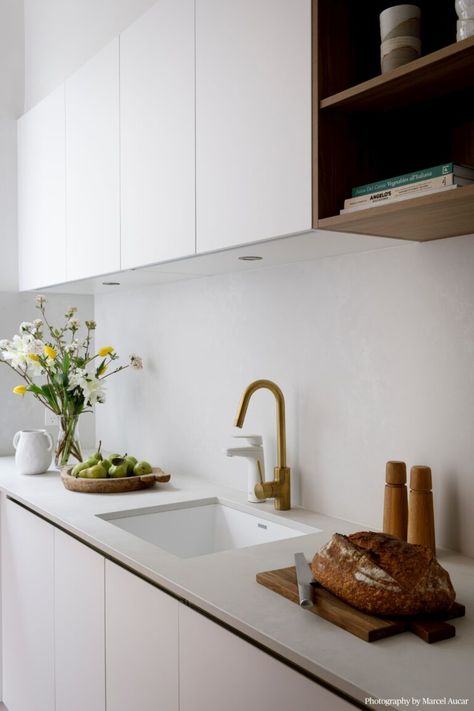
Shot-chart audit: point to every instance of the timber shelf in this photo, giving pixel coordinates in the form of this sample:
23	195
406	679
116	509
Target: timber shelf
369	127
420	219
437	74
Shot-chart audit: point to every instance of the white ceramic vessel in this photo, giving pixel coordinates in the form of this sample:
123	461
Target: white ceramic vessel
33	451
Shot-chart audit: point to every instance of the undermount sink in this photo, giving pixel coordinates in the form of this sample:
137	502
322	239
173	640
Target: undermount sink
204	526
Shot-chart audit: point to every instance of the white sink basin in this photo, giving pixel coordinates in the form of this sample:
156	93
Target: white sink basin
205	526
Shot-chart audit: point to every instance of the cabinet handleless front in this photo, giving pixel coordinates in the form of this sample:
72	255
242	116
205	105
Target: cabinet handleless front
141	644
219	670
253	120
79	626
27	610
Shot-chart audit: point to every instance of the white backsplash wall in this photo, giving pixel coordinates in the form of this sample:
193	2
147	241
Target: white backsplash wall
374	353
24	412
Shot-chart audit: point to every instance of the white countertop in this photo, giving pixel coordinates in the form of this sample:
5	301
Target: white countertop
223	585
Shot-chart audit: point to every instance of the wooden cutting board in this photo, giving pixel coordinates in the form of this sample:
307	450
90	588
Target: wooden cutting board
431	628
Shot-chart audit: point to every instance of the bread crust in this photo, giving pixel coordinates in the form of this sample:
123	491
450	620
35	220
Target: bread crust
382	575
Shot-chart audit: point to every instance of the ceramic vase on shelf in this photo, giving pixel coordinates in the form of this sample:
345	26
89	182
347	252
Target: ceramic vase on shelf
33	451
68	447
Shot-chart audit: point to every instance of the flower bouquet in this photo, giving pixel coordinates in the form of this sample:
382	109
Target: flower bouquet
72	373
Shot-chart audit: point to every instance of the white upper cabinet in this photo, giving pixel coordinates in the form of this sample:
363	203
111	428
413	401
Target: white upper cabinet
157	135
253	120
41	194
92	160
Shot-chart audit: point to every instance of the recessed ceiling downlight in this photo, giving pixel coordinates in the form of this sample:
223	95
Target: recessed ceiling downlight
110	283
250	258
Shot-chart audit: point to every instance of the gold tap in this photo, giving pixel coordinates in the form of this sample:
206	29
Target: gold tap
279	488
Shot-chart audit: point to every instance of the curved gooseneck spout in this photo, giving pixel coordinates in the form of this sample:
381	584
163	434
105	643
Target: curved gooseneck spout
279	488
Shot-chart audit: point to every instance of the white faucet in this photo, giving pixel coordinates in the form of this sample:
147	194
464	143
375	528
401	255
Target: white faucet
253	453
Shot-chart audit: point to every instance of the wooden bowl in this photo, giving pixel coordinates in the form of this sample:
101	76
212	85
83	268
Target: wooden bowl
110	485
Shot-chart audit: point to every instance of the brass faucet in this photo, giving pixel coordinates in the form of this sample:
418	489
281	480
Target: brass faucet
279	488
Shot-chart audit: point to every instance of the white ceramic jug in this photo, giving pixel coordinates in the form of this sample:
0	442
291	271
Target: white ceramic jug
33	451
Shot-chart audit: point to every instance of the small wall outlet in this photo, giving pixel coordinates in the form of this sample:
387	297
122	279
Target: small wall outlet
50	419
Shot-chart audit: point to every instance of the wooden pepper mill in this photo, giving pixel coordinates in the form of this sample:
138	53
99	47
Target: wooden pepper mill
395	510
421	515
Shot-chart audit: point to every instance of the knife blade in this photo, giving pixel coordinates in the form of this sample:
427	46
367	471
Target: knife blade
304	580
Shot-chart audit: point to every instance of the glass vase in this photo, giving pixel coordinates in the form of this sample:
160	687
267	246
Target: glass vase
68	447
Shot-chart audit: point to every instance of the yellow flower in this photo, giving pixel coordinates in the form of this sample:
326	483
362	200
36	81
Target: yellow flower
33	356
19	389
107	350
102	369
50	352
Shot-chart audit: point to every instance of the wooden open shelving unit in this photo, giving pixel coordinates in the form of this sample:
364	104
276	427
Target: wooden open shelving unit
371	126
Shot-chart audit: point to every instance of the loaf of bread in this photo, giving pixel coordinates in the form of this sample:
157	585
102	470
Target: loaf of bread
383	575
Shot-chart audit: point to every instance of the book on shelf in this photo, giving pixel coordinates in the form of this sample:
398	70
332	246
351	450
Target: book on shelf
421	186
399	198
438	171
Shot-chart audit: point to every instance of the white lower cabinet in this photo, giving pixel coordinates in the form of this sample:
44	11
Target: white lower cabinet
78	626
28	610
80	633
218	670
141	643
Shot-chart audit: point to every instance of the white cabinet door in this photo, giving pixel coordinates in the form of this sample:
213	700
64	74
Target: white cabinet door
28	609
141	644
92	166
157	135
42	194
219	670
79	626
253	120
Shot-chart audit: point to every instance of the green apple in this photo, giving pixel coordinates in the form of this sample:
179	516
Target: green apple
113	456
141	468
117	471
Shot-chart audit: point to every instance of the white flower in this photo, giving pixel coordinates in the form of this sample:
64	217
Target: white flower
4	344
92	388
74	324
26	327
40	301
71	347
71	311
136	362
18	350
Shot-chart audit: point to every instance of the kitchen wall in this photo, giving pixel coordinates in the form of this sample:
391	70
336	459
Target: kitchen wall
60	35
17	412
373	351
11	106
375	355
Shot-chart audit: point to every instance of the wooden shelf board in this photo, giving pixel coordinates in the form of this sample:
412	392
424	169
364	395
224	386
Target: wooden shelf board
419	219
437	74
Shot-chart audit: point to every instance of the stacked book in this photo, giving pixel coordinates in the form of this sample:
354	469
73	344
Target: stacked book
447	176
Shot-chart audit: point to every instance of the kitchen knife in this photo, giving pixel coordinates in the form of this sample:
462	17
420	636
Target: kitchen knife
304	580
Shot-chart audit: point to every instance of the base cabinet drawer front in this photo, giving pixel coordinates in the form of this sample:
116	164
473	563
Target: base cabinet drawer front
219	670
141	644
79	626
27	609
42	193
253	120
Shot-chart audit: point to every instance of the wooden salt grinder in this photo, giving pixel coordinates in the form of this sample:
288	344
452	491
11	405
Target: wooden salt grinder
421	515
395	509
